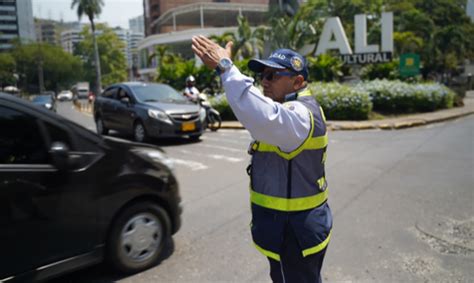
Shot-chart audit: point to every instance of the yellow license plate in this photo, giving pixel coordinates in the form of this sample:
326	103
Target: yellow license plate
188	127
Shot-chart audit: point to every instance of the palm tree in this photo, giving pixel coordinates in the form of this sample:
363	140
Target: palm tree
91	8
247	42
163	56
297	31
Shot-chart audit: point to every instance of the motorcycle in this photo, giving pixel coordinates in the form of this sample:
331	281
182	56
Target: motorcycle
213	117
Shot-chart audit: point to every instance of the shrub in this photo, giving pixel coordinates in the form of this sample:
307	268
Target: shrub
221	104
381	71
400	97
341	102
325	68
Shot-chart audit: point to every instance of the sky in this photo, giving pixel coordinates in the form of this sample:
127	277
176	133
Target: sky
114	12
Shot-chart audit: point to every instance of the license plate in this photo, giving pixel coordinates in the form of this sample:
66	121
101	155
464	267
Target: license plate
188	127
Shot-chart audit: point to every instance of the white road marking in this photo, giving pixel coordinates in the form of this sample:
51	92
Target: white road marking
85	113
234	140
193	165
213	156
221	147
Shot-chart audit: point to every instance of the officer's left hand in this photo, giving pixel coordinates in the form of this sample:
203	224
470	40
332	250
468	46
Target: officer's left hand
209	51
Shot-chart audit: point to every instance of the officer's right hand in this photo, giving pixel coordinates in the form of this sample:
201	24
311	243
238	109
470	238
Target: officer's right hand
209	51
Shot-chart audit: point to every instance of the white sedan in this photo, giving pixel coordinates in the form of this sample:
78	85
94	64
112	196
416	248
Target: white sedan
65	95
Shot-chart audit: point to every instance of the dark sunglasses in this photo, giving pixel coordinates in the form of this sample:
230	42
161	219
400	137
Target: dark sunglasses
270	76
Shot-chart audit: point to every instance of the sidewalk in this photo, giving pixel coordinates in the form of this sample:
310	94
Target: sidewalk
393	123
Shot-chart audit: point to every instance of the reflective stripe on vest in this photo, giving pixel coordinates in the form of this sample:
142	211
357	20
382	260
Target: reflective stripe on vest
317	248
313	250
311	143
285	204
267	253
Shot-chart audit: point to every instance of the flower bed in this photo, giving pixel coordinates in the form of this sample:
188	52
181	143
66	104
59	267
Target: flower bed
344	102
400	97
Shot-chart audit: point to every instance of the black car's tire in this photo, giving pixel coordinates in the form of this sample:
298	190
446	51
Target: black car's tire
137	237
139	132
101	129
215	121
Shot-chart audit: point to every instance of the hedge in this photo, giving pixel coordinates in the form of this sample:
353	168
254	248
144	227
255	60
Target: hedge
344	102
400	97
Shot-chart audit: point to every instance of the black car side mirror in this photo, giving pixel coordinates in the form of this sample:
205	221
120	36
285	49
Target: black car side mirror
59	152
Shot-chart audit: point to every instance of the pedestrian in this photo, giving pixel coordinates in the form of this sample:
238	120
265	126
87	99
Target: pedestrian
291	220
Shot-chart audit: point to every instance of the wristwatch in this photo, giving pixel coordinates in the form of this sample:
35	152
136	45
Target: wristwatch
224	65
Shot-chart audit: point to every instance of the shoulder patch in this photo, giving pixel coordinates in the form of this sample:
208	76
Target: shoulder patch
289	106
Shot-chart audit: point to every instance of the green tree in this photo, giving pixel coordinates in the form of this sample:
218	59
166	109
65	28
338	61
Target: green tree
294	32
7	69
407	42
443	28
325	68
247	42
60	68
91	8
112	58
163	56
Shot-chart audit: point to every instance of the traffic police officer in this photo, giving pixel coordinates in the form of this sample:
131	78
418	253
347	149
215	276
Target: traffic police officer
291	220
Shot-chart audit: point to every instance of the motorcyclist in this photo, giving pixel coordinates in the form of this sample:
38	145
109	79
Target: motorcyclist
190	91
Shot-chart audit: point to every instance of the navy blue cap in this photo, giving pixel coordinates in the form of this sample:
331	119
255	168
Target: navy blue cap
281	59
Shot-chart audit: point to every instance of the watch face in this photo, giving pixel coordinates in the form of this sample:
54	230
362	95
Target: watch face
225	63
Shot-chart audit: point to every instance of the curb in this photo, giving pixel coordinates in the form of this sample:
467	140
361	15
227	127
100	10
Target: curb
389	124
411	121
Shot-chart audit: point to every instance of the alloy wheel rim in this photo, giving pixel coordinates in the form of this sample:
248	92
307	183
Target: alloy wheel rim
139	132
141	237
99	126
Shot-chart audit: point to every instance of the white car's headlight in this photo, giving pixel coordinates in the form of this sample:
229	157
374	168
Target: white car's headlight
48	105
159	115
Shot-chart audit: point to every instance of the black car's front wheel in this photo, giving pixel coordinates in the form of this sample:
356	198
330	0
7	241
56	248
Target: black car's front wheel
137	237
139	132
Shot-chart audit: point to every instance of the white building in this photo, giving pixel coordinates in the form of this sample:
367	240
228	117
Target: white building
137	24
131	40
470	9
16	21
177	25
70	38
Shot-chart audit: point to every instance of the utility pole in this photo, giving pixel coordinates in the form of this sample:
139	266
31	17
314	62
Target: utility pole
40	56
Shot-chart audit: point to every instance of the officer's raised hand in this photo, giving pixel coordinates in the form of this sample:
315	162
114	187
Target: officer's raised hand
209	51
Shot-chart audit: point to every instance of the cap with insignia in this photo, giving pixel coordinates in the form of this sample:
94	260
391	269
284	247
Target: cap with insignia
281	59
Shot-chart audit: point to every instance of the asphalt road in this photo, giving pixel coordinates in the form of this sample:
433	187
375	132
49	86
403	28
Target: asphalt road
403	204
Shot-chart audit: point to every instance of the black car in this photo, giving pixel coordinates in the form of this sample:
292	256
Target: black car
147	110
70	198
45	100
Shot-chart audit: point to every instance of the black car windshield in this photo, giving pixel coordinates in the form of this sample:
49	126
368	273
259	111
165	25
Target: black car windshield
42	98
157	93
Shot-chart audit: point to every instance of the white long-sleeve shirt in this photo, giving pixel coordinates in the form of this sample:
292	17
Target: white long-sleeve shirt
286	126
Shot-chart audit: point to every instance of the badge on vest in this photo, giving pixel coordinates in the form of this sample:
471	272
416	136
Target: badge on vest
323	184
